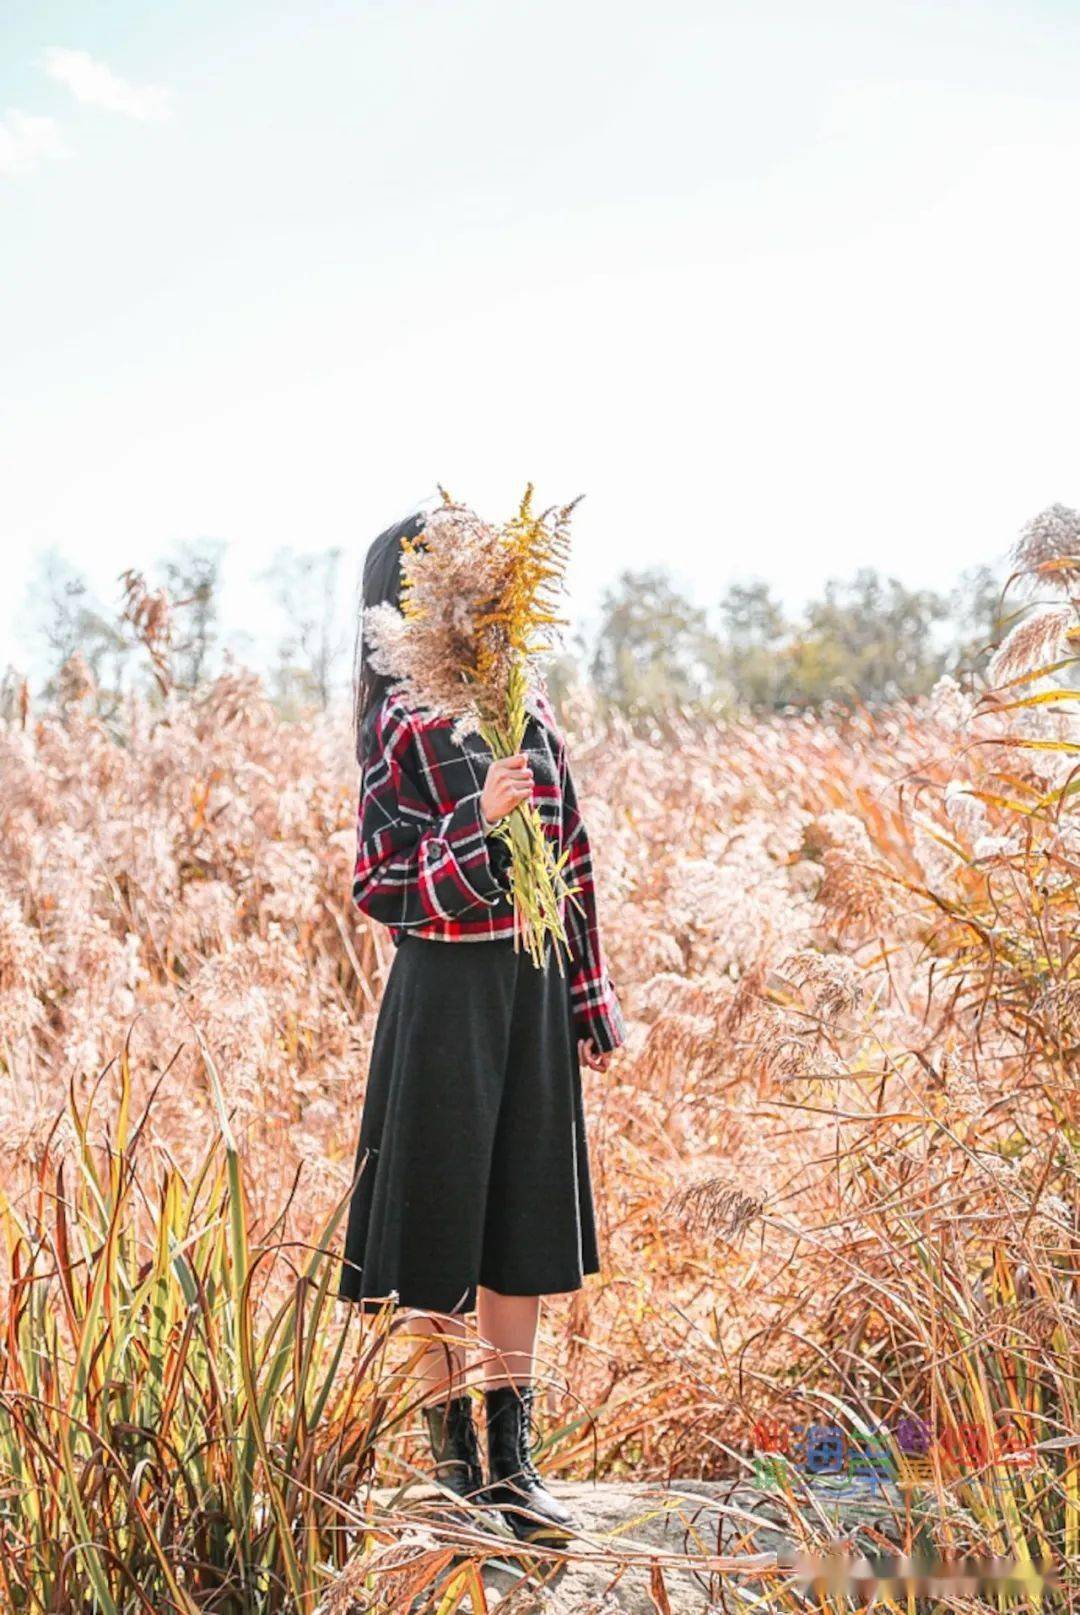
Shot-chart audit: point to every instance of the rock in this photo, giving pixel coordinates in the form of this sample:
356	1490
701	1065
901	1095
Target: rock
638	1542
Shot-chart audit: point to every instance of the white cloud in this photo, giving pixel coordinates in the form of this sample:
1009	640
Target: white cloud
98	86
25	141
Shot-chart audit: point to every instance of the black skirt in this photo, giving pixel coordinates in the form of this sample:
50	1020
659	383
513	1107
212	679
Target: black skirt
472	1161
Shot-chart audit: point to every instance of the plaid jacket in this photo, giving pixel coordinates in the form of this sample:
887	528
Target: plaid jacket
425	865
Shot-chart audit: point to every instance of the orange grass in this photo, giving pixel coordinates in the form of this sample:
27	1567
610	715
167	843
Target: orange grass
836	1166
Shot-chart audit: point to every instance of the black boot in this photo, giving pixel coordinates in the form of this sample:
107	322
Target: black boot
454	1446
516	1488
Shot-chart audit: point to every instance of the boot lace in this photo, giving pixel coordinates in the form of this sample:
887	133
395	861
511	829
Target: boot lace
530	1439
472	1446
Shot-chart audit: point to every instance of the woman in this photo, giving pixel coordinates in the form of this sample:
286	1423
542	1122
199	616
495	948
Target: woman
472	1189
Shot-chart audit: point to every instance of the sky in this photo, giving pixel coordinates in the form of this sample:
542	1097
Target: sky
782	290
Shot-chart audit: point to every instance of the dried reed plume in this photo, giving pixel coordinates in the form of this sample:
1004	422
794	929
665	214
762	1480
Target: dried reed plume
714	1206
76	682
1049	546
1041	638
454	575
478	615
830	978
149	614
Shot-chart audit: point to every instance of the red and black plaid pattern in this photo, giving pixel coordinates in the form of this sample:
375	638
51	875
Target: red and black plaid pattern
424	864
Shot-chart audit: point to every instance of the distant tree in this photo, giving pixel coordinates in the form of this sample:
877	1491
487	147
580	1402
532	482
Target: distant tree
653	648
66	619
192	580
566	669
753	630
308	590
977	615
867	639
14	697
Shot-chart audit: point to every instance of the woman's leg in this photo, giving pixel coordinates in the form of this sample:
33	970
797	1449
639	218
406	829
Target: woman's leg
508	1324
440	1371
447	1409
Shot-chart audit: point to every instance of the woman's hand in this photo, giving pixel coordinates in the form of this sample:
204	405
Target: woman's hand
507	784
591	1055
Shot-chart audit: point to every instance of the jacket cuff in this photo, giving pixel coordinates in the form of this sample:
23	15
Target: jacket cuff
602	1020
458	859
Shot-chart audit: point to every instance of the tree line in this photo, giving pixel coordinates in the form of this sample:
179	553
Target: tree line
305	666
867	639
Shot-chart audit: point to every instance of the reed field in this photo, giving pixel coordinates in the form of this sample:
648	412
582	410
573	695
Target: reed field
836	1166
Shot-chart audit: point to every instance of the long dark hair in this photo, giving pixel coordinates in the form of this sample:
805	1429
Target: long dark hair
381	585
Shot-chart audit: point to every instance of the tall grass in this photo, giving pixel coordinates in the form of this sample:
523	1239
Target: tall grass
836	1167
167	1440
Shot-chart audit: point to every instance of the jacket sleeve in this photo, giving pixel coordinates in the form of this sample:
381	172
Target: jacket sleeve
597	1013
412	864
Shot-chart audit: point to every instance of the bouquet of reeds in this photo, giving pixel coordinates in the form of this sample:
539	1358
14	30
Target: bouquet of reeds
478	613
